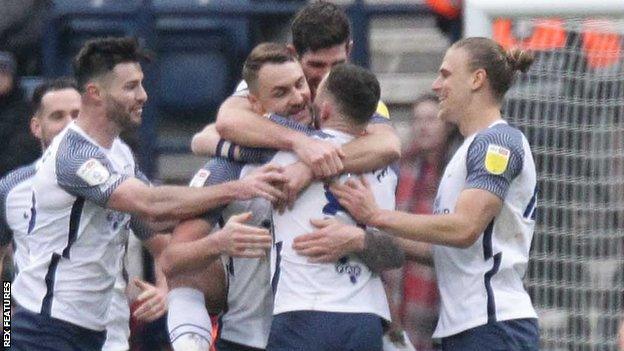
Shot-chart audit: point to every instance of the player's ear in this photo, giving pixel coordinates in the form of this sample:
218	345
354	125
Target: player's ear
93	91
35	127
478	79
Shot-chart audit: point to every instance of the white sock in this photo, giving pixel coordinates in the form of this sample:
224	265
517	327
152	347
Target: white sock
188	320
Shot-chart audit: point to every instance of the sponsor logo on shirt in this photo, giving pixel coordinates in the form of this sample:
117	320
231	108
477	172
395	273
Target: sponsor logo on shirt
343	266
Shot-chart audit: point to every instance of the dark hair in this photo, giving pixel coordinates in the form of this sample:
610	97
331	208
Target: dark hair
261	55
500	65
319	25
355	90
48	86
99	56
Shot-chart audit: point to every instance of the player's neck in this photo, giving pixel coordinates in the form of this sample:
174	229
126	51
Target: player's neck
341	125
475	120
98	126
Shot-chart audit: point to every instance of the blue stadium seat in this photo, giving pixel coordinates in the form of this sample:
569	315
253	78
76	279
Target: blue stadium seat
80	5
198	56
28	84
195	72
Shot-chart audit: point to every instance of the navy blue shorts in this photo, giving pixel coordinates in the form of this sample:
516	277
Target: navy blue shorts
224	345
325	331
33	331
511	335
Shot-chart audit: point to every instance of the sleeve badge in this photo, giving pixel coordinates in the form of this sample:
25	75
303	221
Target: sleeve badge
496	159
199	179
93	172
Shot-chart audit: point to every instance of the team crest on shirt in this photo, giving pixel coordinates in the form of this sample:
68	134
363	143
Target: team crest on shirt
496	159
199	179
93	172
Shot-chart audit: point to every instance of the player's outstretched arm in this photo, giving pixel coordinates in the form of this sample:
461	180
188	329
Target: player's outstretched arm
176	202
474	210
333	239
237	122
191	248
378	148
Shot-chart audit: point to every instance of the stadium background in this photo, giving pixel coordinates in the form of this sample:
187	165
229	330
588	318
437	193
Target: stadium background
576	274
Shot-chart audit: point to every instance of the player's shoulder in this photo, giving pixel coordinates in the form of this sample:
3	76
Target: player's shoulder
15	177
501	134
74	146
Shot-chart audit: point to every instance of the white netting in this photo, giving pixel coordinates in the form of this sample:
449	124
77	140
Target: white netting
570	105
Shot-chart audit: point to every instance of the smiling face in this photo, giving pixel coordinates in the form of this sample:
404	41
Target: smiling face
58	108
124	95
453	85
282	89
317	64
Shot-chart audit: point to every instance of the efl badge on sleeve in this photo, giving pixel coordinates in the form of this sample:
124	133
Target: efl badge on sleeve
200	178
93	172
496	159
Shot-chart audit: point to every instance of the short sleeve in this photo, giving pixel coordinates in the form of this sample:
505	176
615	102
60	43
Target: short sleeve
263	155
141	176
216	171
83	170
140	228
494	159
7	184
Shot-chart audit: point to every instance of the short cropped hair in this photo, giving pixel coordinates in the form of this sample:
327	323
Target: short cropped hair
48	86
261	55
99	56
355	90
320	25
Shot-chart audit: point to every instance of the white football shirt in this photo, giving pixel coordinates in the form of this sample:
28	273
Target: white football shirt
75	242
483	282
344	286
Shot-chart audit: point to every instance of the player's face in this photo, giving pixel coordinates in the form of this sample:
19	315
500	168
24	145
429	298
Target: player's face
58	108
453	85
6	82
125	95
316	64
282	89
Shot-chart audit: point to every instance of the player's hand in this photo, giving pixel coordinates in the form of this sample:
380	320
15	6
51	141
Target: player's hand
356	196
298	176
265	182
205	142
152	301
330	241
323	157
240	240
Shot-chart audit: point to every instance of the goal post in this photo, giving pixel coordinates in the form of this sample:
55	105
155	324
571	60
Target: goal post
570	105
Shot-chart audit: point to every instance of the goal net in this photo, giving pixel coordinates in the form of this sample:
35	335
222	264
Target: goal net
570	105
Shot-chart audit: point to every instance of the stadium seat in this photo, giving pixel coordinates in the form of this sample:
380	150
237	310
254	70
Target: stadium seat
198	56
74	22
194	72
28	84
79	5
